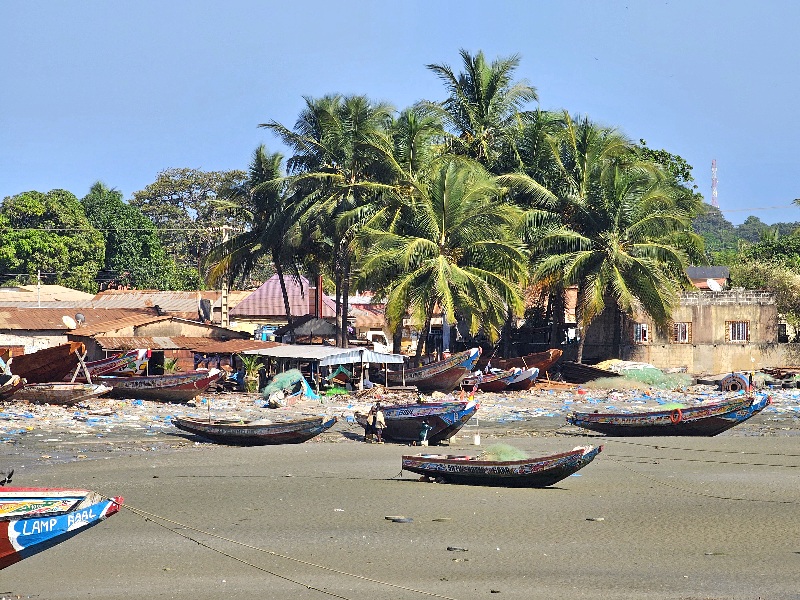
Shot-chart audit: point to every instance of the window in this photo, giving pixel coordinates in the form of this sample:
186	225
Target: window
641	333
737	331
681	333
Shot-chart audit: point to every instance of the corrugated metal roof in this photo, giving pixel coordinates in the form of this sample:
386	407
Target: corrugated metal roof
328	355
116	324
234	298
39	319
43	293
368	315
195	344
267	300
183	302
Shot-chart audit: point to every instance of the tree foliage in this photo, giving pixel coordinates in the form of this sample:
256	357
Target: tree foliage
49	232
134	255
181	205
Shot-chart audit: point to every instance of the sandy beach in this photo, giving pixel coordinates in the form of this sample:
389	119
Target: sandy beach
677	518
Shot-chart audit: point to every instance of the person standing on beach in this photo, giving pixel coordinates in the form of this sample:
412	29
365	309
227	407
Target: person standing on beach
379	423
369	426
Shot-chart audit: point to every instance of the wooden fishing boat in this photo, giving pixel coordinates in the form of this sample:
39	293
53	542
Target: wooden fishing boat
540	360
61	392
489	382
443	376
116	363
523	380
35	519
9	385
574	372
173	387
700	420
48	364
529	472
404	422
255	433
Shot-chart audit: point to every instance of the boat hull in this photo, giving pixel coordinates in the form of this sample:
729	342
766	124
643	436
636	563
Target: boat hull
534	472
524	380
404	421
252	434
178	387
541	360
63	393
703	420
48	364
442	376
35	519
11	385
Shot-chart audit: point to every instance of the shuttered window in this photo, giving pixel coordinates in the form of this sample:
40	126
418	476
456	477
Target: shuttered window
737	331
681	333
641	333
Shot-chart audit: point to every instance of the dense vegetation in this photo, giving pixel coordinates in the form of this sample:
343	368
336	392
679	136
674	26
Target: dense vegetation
466	206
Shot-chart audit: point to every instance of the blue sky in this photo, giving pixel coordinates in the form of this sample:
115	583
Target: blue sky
98	90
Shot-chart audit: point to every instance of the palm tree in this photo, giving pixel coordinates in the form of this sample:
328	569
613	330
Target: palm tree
483	110
271	215
452	247
342	166
627	245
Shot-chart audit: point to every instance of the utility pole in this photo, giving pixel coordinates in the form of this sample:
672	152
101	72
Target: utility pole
39	288
224	315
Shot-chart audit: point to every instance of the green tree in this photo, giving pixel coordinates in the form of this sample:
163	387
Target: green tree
341	168
484	108
180	203
270	217
134	256
719	234
49	233
773	276
751	230
453	248
624	237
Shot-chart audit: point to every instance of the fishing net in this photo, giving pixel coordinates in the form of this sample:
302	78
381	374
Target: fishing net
643	378
286	382
502	452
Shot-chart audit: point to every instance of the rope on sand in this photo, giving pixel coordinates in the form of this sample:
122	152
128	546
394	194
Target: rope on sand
700	450
695	492
160	521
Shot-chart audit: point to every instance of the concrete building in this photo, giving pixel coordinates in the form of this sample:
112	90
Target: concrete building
711	332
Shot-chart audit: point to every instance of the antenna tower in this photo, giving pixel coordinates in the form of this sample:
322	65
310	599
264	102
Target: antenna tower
714	201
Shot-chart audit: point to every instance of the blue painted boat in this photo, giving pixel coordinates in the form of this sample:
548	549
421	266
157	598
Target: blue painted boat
700	420
35	519
443	420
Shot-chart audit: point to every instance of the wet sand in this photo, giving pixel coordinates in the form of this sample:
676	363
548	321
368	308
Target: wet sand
676	518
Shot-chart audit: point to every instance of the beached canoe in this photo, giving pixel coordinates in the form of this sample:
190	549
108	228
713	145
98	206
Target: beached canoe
115	364
254	433
35	519
64	393
172	387
700	420
443	376
10	385
48	364
523	380
489	382
404	422
529	472
540	360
